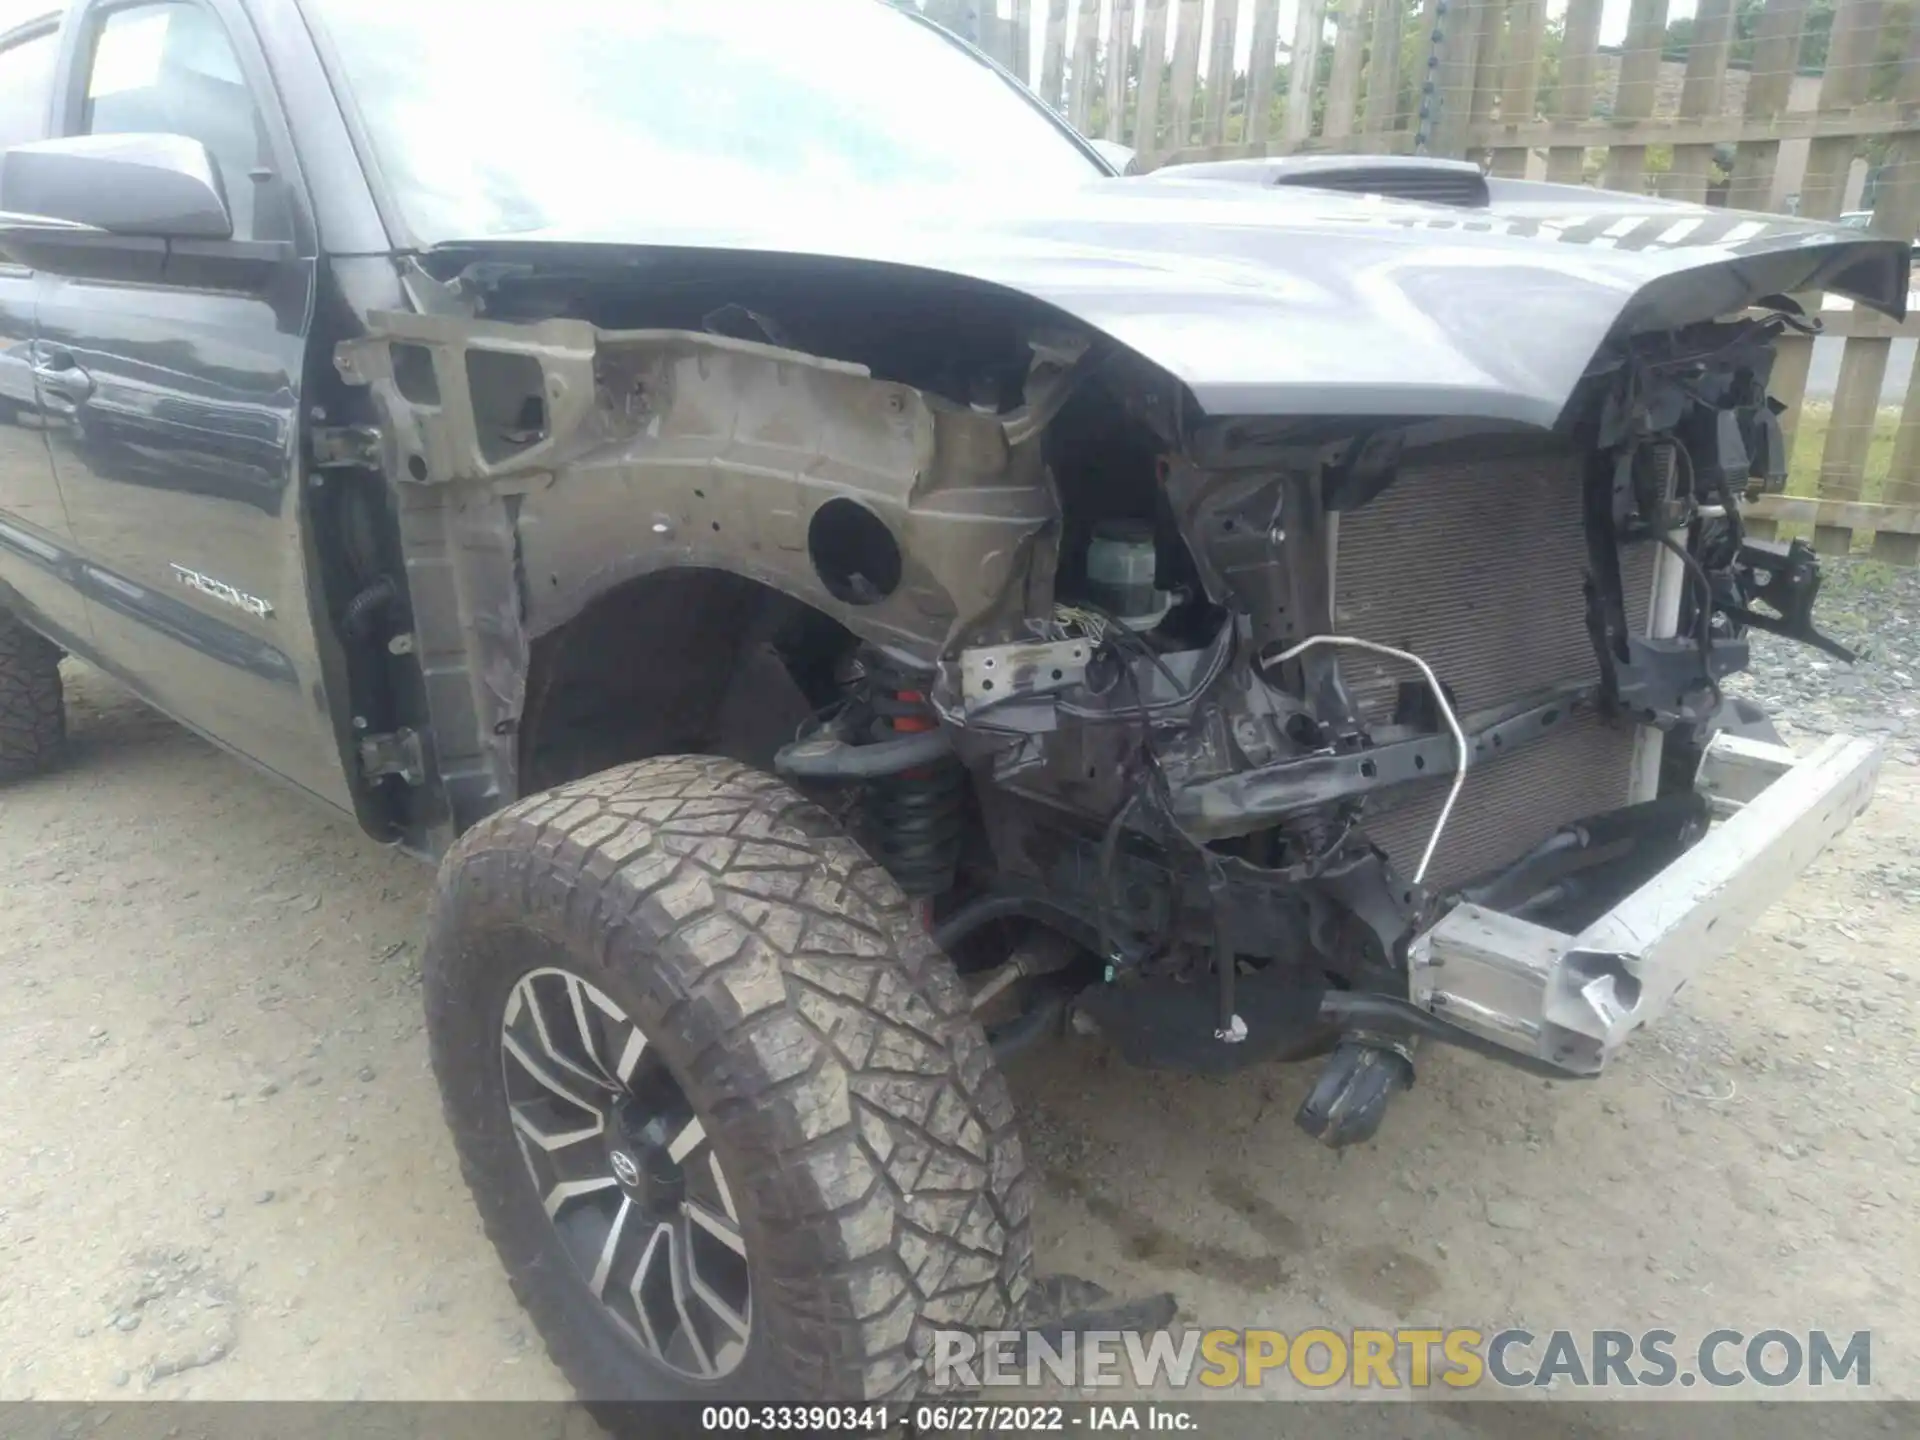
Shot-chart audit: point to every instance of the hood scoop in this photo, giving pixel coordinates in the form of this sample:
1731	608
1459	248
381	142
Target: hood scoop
1458	183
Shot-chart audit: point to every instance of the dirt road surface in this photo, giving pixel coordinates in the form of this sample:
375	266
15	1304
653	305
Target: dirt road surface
223	1171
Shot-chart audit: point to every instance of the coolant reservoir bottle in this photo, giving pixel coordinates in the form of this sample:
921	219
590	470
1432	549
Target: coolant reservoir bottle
1120	564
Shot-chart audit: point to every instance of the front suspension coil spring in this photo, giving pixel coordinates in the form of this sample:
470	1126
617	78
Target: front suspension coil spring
917	818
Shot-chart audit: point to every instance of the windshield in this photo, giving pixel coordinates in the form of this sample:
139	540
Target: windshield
637	116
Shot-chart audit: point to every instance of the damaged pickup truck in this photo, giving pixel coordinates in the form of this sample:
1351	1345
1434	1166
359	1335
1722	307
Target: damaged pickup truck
847	586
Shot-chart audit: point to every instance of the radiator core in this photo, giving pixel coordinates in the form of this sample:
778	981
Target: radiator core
1477	567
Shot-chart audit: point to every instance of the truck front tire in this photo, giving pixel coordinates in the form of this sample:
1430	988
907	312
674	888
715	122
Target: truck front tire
718	1096
33	717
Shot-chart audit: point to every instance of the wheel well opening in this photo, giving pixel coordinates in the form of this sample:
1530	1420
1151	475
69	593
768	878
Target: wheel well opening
678	662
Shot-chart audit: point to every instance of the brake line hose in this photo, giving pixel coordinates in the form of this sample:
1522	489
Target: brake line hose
1439	699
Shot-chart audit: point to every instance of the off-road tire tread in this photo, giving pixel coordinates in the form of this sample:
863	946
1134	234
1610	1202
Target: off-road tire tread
885	1157
33	716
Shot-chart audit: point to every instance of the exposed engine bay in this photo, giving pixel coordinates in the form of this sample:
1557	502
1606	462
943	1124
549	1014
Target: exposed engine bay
1187	727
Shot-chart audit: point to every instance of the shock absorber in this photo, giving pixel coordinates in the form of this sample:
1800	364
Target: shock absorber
918	816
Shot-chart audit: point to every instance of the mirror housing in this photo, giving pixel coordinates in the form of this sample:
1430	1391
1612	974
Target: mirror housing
139	209
161	187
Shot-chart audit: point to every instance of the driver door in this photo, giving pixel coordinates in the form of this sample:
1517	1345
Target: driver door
172	404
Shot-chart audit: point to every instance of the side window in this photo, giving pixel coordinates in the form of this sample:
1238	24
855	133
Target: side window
170	69
26	87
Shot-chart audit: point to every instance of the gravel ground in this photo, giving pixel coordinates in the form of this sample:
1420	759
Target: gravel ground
223	1172
1868	607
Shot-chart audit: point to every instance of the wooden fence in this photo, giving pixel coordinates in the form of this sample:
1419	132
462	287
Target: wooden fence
1517	84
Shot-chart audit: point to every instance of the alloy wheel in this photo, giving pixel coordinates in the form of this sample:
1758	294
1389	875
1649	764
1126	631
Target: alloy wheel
626	1174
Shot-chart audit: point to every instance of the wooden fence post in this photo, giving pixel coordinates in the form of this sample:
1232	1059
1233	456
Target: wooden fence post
1226	16
1119	54
1863	359
1086	48
1856	25
1186	71
1459	64
1343	85
1520	84
1053	55
1023	39
1639	79
1903	169
1776	59
1701	96
1383	71
1260	66
1309	20
1567	164
1153	58
1488	46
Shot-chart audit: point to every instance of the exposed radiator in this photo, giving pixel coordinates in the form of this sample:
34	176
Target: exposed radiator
1477	567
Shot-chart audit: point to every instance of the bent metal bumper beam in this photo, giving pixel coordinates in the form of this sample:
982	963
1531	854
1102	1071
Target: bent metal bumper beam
1571	1001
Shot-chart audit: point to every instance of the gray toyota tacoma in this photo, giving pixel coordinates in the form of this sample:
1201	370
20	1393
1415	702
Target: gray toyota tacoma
847	586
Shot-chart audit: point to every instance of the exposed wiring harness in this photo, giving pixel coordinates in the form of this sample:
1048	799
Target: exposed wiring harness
1704	628
1439	699
1124	643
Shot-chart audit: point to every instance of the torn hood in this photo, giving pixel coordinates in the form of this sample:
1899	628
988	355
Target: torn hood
1271	300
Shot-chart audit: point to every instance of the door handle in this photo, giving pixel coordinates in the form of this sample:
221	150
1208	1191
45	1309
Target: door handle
56	373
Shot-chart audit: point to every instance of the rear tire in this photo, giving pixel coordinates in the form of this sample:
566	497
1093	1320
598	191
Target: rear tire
33	716
859	1132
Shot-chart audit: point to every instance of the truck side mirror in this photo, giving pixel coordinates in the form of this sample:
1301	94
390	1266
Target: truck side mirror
163	187
139	208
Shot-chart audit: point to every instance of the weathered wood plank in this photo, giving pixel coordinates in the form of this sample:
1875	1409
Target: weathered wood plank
1464	32
1119	52
1264	56
1153	58
1023	39
1856	25
950	15
1903	473
1863	360
1488	48
1429	43
996	36
1054	55
1639	77
1776	56
1186	71
1226	16
1520	81
1086	46
1895	528
1896	215
1573	104
1343	84
1862	321
1398	142
1383	67
1792	358
1863	121
1892	549
1853	514
1856	399
1701	95
1305	64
